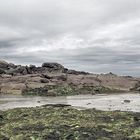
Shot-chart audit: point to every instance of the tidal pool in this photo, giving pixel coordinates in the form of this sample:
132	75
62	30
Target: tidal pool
121	101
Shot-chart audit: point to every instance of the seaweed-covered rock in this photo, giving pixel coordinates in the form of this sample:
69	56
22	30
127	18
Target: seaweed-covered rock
41	91
61	122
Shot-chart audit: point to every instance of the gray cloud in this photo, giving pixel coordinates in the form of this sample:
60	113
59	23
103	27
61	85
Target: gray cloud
92	35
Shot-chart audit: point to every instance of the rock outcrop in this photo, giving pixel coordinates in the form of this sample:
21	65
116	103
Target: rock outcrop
11	69
4	65
53	66
17	78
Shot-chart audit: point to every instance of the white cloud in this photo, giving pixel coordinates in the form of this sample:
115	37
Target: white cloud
79	34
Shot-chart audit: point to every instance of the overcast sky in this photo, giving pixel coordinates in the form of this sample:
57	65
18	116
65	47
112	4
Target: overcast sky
98	36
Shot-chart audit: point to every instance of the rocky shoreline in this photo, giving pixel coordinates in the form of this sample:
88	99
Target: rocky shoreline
60	122
53	79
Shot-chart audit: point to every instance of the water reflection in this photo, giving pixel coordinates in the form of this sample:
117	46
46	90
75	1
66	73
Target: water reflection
13	101
101	102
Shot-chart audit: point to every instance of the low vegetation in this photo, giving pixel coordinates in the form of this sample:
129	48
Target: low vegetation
58	90
65	123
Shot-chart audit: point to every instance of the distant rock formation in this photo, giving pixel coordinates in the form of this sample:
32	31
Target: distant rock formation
53	66
18	78
11	69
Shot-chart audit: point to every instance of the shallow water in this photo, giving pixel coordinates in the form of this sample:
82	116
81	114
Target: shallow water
100	102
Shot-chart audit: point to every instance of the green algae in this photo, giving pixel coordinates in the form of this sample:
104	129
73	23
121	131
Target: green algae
59	90
66	123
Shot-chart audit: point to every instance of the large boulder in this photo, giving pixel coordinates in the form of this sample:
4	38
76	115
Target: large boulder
23	70
32	69
4	64
53	66
11	65
38	70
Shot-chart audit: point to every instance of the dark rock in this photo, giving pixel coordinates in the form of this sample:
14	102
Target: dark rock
127	101
28	70
2	71
72	72
44	81
32	69
82	72
77	72
57	105
11	65
110	74
65	70
23	70
137	118
1	117
20	69
128	77
40	70
46	76
54	66
32	66
4	65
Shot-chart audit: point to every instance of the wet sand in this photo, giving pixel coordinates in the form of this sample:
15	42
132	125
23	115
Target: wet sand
101	102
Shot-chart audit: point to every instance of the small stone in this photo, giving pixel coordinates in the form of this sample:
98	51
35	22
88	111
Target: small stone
127	101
